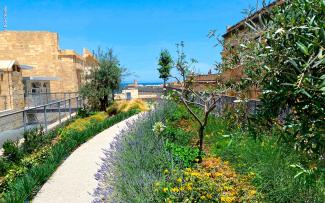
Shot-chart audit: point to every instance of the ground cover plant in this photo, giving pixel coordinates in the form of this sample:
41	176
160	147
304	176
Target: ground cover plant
156	162
25	168
153	163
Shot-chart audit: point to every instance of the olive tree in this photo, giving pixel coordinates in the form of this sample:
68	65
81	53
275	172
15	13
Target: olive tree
103	80
285	59
191	97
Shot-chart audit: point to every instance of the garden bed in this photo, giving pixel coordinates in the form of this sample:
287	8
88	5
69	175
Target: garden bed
27	167
156	161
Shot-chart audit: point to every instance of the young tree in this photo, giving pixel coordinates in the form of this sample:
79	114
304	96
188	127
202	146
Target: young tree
165	65
206	99
103	80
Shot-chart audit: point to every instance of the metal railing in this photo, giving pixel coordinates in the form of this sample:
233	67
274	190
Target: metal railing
41	115
36	99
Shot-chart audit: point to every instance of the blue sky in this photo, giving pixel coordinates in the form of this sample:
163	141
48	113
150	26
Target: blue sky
136	30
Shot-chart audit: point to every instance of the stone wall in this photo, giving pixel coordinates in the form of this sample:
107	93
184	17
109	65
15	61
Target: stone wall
12	91
41	51
37	49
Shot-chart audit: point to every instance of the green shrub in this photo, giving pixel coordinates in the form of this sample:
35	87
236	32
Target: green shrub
33	139
4	165
12	151
177	135
185	156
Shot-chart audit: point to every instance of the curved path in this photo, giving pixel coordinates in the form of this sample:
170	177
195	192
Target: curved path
74	180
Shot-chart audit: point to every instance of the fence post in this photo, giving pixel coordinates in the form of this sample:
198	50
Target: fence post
77	104
24	120
65	104
45	120
70	107
59	103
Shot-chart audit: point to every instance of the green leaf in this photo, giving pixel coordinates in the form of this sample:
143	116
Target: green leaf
322	34
298	174
305	93
293	62
322	89
303	48
322	77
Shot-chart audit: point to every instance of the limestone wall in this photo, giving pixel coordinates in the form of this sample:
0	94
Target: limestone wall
41	51
37	49
12	91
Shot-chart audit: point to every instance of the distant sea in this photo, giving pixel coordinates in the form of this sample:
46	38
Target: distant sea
123	84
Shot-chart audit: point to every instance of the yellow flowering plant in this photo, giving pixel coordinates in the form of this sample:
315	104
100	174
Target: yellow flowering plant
211	181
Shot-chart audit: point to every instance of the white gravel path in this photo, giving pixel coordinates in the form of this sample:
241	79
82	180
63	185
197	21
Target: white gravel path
74	180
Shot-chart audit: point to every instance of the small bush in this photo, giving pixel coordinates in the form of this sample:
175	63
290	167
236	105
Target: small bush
4	165
12	151
83	113
185	155
33	139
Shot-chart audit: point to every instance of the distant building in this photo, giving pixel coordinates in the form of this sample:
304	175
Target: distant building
64	69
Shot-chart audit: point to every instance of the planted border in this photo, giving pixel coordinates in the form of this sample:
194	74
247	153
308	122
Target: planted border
26	186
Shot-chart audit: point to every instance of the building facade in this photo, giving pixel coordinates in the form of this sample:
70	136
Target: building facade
11	85
64	69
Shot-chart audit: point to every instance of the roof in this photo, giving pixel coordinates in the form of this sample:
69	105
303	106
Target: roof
255	15
205	78
69	52
43	78
7	65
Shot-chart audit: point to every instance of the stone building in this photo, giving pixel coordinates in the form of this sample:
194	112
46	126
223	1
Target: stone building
11	85
40	49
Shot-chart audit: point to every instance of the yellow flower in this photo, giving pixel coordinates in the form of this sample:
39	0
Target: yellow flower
227	199
166	171
175	189
195	174
181	189
165	189
218	174
157	184
209	196
188	169
202	197
252	192
179	180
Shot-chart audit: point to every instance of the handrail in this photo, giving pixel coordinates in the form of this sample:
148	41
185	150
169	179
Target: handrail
36	107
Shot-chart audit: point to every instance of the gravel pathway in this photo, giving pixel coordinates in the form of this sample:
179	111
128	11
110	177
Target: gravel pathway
74	180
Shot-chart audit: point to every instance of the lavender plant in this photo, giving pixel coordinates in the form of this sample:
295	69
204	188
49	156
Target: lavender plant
134	161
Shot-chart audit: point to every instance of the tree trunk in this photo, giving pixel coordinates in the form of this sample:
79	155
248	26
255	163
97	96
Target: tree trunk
113	97
165	91
201	136
103	103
